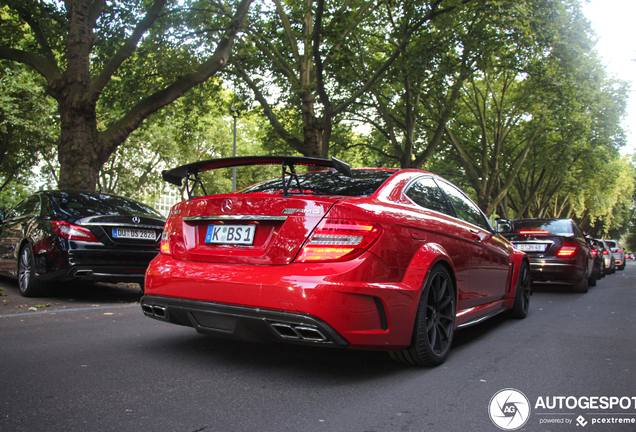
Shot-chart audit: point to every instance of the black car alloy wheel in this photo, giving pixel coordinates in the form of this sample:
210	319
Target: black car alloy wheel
29	286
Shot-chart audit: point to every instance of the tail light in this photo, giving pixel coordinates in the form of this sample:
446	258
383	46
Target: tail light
533	232
164	245
338	240
594	252
618	251
567	250
73	232
605	252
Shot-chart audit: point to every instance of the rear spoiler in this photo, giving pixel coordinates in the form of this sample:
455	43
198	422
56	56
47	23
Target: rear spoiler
191	171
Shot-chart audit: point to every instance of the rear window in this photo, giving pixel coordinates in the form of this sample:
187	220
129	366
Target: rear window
612	244
553	227
80	204
361	183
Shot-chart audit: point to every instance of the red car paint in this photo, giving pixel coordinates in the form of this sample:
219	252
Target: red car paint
370	301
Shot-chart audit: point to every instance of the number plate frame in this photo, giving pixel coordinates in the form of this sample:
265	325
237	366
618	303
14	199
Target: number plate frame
134	234
532	247
222	234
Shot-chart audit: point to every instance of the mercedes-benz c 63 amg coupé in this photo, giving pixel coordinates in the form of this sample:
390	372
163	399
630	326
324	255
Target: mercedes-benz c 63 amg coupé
378	259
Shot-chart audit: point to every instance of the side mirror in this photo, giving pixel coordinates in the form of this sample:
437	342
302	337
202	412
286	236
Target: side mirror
503	225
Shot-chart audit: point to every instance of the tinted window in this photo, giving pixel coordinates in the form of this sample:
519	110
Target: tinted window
425	192
28	206
361	183
83	204
559	227
464	207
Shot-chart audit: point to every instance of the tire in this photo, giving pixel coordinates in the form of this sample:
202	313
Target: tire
581	286
523	292
27	283
592	279
434	323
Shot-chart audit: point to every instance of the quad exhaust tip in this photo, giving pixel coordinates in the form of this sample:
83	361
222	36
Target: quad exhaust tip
155	311
290	331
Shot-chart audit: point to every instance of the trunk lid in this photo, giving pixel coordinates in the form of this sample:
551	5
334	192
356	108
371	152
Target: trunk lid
258	229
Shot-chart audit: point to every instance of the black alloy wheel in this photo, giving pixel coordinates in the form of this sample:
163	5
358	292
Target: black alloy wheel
524	291
434	322
29	286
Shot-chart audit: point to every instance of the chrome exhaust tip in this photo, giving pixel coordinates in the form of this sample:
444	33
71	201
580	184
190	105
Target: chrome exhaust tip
155	311
290	331
83	273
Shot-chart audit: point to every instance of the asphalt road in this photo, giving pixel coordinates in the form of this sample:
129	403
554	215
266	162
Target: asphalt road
90	361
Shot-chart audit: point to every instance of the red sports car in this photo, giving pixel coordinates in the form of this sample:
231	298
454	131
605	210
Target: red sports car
378	259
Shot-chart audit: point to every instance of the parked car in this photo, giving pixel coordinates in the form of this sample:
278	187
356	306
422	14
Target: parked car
618	252
73	235
608	258
379	259
558	251
599	264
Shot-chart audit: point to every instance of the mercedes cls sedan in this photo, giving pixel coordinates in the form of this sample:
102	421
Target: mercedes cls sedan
72	235
558	251
379	259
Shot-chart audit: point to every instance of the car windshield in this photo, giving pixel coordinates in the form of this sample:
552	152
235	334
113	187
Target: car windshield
361	183
553	227
80	204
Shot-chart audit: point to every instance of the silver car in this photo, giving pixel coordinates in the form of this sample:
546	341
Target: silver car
618	252
608	258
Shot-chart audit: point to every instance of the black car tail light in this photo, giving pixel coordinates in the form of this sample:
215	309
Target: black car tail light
338	240
73	232
568	250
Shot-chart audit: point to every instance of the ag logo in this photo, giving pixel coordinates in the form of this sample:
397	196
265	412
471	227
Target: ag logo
509	409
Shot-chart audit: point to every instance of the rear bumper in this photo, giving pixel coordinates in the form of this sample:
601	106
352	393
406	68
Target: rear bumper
97	266
361	303
543	270
244	323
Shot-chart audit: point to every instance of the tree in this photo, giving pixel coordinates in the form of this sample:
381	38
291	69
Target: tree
298	55
89	51
28	125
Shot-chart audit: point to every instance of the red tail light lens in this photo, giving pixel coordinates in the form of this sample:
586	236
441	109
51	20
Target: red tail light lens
594	252
72	232
338	240
164	246
534	232
567	250
605	252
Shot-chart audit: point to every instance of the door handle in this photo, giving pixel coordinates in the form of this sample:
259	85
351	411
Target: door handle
475	235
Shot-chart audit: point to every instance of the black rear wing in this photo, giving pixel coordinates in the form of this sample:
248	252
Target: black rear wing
191	171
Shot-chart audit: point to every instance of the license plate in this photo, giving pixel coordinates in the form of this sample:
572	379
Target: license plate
532	247
230	234
129	233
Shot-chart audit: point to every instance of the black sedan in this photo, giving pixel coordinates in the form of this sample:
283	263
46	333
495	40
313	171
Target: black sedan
73	235
557	248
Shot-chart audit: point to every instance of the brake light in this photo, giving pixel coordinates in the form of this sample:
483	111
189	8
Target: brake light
567	250
338	240
72	232
605	252
618	251
594	252
533	232
164	245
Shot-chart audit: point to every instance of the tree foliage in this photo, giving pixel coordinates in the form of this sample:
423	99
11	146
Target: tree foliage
109	65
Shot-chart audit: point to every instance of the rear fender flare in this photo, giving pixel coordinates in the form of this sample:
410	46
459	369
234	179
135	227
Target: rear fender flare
419	268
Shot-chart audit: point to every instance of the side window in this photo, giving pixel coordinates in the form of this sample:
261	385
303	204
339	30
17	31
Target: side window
29	206
465	209
424	192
